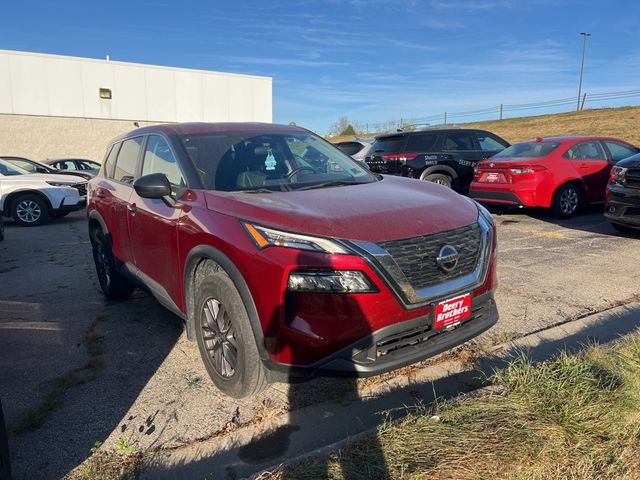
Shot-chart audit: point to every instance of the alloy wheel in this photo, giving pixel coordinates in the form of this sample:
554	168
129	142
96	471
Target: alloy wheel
28	211
102	265
569	201
219	338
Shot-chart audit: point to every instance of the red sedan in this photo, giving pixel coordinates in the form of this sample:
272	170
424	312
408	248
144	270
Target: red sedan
560	173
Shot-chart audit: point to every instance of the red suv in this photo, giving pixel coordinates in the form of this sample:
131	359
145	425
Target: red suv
281	268
561	173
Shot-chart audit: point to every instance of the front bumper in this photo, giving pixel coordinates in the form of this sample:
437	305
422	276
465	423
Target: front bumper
396	345
623	206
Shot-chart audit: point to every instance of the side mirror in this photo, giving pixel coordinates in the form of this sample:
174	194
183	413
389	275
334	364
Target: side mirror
155	186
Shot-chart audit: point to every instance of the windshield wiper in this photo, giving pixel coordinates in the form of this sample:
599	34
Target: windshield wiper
335	183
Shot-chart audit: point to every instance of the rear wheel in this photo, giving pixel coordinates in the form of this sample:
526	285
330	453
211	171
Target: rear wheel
30	210
439	178
566	201
225	338
113	284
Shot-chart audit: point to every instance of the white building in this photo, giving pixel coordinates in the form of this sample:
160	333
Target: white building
55	106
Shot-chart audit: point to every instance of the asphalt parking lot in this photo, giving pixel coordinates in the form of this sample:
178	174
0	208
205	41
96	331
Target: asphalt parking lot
77	369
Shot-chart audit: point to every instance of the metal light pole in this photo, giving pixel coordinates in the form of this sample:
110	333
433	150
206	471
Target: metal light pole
584	48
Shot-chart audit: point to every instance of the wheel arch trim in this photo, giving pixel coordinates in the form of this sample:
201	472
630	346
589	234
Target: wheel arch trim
206	252
439	169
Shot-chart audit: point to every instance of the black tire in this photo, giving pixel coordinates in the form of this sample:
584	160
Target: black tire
30	210
225	338
566	201
113	284
440	179
625	229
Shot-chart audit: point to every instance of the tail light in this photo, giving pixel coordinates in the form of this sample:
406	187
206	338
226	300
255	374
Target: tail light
401	158
525	169
618	175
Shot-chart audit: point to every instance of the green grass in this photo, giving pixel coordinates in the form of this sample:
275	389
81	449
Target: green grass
574	417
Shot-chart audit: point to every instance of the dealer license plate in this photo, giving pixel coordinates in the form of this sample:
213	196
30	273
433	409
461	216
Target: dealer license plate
451	312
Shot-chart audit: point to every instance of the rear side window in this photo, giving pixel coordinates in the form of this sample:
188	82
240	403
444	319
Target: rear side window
459	141
384	145
585	151
489	143
619	151
127	160
421	143
110	161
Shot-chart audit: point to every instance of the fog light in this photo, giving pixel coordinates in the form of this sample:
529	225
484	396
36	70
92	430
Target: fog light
330	281
612	209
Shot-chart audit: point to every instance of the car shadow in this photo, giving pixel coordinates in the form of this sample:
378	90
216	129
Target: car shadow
589	219
306	430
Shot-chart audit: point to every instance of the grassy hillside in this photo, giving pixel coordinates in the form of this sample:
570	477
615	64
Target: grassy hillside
621	122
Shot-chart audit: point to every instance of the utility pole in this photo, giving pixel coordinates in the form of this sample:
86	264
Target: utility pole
584	48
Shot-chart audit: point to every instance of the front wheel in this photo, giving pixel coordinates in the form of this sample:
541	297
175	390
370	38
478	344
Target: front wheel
30	210
440	179
566	201
225	338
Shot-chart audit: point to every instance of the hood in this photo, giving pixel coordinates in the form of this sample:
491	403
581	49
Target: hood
390	209
631	162
44	177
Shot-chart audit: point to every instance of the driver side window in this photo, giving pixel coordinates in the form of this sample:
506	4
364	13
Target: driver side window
158	158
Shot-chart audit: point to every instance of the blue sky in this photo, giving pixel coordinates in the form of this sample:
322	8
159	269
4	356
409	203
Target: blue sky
371	61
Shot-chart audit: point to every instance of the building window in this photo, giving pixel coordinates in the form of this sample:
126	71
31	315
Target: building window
105	93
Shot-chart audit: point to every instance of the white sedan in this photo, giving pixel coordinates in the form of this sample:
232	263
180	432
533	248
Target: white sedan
31	199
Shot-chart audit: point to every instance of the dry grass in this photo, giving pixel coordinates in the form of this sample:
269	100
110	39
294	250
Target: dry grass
623	123
574	417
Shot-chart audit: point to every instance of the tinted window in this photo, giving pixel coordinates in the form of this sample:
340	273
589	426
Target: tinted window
459	141
384	145
528	150
65	165
619	151
111	160
350	148
250	161
158	158
421	143
127	159
84	165
585	151
489	143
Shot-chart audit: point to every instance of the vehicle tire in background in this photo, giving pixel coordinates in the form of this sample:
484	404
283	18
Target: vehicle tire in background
225	338
30	210
566	201
440	179
113	284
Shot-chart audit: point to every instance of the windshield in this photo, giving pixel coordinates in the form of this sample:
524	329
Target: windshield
528	150
247	161
385	145
8	170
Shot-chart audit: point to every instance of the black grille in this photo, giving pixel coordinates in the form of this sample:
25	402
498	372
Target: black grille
394	344
416	256
82	188
632	178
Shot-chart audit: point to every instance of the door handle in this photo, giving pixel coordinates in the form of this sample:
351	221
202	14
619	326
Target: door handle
132	208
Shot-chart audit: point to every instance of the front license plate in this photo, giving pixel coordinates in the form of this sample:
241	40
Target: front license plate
449	313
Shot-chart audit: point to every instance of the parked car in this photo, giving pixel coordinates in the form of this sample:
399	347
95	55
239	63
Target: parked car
33	166
441	155
281	270
560	173
31	199
75	165
622	207
357	148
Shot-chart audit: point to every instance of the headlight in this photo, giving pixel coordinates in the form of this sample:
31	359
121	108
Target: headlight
60	184
331	281
618	174
267	237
